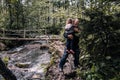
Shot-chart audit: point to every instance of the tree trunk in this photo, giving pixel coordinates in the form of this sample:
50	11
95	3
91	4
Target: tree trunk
5	72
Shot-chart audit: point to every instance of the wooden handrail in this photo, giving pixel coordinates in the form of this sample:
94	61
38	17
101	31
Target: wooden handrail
21	32
25	30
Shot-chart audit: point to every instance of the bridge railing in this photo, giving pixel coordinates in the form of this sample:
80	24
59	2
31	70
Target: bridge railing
23	33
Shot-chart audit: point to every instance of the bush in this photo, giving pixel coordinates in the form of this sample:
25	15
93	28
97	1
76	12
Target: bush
99	44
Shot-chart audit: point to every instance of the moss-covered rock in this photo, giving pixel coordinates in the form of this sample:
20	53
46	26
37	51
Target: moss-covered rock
23	65
6	59
44	47
2	46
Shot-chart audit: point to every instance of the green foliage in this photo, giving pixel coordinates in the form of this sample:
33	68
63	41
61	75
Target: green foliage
16	17
100	43
100	20
54	29
29	14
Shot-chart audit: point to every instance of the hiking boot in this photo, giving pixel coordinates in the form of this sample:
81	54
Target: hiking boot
60	70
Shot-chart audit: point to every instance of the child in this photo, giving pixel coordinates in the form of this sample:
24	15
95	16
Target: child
69	30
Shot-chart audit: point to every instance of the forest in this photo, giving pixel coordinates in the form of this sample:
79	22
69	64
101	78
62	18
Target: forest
99	24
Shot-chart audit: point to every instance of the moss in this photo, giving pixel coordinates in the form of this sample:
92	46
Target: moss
6	59
23	65
51	50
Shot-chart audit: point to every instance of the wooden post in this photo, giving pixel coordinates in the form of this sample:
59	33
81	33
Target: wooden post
45	32
3	32
24	33
47	40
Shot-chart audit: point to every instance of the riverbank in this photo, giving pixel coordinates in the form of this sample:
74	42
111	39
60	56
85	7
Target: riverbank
57	49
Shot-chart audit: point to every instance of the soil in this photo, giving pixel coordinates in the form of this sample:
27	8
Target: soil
53	72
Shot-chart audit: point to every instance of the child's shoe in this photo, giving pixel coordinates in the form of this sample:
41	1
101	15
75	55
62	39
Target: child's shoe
71	51
67	51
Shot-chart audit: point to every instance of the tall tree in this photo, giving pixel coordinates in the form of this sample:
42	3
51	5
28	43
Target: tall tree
16	20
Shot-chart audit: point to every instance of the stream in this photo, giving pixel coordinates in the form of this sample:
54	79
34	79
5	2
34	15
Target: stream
28	62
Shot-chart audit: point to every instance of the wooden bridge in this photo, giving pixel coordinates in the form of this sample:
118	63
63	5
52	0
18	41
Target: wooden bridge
39	34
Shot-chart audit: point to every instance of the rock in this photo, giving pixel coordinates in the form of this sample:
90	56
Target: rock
16	50
11	52
44	47
37	42
36	76
6	59
57	47
19	49
29	62
51	50
23	65
2	46
1	78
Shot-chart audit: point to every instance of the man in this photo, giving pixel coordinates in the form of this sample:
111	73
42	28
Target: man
76	48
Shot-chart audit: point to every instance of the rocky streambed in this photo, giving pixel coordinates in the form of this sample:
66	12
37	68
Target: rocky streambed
38	60
28	62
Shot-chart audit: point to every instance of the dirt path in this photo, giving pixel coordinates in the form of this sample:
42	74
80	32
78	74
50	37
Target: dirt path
53	71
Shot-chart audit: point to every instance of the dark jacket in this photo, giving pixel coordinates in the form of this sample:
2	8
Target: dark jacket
75	40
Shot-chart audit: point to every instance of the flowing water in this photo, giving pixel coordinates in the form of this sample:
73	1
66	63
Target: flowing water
28	62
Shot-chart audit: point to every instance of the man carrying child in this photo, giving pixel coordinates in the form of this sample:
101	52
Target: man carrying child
72	43
69	30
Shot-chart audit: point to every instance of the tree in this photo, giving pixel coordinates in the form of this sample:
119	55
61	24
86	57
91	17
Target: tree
16	16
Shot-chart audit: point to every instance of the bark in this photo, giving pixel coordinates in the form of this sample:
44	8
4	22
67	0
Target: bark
5	72
10	13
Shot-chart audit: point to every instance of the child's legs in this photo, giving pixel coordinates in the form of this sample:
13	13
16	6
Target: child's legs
71	46
68	44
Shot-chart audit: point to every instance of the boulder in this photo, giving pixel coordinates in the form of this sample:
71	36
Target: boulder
23	65
44	47
2	46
